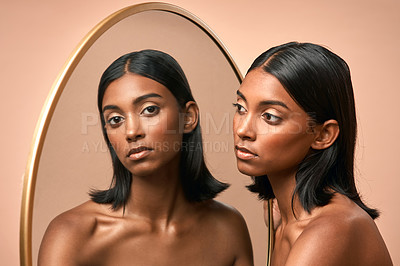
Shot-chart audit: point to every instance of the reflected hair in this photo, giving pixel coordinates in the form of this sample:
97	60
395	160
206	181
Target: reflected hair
197	181
319	82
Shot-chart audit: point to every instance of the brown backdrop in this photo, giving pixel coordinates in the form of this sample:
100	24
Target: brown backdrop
37	37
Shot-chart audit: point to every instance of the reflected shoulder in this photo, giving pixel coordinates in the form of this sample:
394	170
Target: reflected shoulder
67	233
224	211
78	218
231	226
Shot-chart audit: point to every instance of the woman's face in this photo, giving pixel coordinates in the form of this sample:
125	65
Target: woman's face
272	133
142	124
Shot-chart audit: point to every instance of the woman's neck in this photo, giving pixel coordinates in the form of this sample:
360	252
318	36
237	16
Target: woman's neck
158	197
289	206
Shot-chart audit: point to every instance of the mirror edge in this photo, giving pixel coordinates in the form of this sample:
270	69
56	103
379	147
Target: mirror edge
40	132
270	232
30	175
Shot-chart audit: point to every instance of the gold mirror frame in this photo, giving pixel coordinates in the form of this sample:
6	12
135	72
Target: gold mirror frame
55	93
271	233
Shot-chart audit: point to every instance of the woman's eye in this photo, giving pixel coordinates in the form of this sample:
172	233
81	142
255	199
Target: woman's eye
270	118
151	110
240	108
115	120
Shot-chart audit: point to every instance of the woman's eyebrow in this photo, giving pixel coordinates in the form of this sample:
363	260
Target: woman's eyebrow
241	95
146	96
110	107
136	101
272	102
267	102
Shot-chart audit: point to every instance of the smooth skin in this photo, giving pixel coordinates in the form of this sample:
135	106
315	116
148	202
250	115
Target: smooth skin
272	136
159	226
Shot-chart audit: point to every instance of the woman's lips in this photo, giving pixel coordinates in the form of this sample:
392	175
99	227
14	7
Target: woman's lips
244	154
138	153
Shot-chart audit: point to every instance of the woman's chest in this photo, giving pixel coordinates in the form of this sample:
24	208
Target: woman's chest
284	241
158	249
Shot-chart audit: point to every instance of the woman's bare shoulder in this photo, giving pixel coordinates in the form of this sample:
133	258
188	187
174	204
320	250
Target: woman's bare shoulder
68	232
229	225
223	213
76	220
341	234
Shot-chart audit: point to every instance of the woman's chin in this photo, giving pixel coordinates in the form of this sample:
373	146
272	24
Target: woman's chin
248	169
143	170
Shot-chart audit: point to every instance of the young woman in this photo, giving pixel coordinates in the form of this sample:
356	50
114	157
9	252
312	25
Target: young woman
159	209
295	132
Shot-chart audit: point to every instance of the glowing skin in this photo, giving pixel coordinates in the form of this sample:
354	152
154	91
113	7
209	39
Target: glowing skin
271	132
142	123
158	225
272	135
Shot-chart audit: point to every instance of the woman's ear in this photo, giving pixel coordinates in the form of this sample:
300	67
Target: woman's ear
191	116
326	135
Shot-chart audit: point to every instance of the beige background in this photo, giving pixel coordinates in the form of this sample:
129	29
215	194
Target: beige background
37	37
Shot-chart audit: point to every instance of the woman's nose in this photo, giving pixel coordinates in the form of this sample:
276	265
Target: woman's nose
245	127
133	128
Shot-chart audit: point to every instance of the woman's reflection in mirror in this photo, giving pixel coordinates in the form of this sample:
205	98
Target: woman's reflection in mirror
295	134
159	209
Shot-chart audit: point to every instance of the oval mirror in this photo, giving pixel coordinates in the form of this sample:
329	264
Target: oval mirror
68	154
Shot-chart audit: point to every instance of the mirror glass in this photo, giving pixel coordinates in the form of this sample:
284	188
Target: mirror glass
74	157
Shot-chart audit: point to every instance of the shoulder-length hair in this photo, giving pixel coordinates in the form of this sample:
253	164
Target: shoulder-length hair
319	82
197	181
